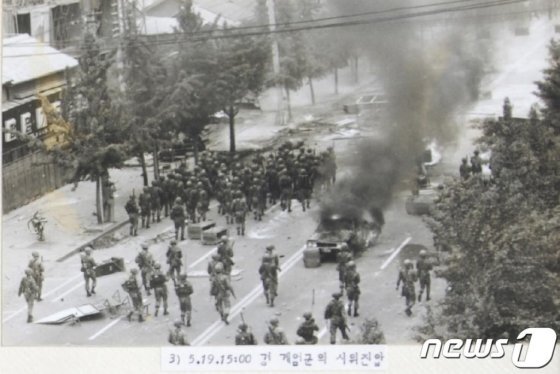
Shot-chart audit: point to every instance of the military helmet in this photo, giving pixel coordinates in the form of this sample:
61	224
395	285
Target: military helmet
307	315
35	254
408	262
344	247
243	326
134	271
178	200
178	323
144	246
173	242
270	248
183	276
423	252
351	264
215	256
337	295
88	250
464	160
28	272
219	267
274	321
157	265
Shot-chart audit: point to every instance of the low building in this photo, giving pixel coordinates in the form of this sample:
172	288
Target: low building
30	69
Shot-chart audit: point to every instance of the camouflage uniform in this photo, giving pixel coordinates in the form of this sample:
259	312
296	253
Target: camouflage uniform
286	190
132	210
145	262
28	288
275	335
178	217
145	202
269	276
343	257
244	337
408	276
177	337
160	289
335	312
133	290
221	289
184	290
38	270
307	330
239	209
352	282
155	201
423	266
175	260
88	268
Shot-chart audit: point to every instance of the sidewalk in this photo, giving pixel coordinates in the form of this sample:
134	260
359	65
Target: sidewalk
71	220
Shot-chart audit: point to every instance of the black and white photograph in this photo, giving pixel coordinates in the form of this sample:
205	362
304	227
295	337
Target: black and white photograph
213	173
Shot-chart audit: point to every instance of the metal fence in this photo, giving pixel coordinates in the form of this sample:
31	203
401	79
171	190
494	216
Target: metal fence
28	178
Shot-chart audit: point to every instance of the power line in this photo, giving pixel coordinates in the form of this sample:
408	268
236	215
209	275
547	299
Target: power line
172	38
309	22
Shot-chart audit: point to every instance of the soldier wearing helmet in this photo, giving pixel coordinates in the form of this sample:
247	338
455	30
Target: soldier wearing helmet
145	202
211	268
221	289
335	313
306	330
178	217
29	289
408	276
88	268
36	266
239	210
132	210
225	251
275	335
174	259
133	290
177	337
343	257
244	336
286	190
423	267
268	272
158	284
352	282
184	290
476	163
464	169
145	261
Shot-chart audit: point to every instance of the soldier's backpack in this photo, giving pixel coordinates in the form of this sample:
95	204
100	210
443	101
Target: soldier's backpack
127	286
140	260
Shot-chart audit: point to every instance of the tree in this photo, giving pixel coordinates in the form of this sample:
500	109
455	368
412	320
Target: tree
243	65
502	234
88	132
146	93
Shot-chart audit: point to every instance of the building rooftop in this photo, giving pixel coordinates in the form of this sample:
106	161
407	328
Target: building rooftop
25	58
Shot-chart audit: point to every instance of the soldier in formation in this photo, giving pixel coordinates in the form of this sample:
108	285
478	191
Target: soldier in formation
244	336
221	289
268	272
225	253
423	267
88	268
334	312
131	287
211	269
37	269
352	282
155	201
184	290
158	284
177	337
408	276
239	209
145	202
275	335
178	217
28	288
343	257
132	210
307	330
145	261
174	260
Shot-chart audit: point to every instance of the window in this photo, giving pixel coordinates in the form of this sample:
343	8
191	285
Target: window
10	124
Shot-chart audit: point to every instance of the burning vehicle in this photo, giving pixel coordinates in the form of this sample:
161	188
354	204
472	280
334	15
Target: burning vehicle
334	230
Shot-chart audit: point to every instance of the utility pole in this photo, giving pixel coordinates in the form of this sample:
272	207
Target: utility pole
280	104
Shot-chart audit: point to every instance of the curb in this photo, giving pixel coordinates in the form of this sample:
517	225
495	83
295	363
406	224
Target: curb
80	248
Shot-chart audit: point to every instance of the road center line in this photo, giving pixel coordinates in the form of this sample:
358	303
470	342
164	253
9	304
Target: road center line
202	258
214	328
395	253
56	299
94	336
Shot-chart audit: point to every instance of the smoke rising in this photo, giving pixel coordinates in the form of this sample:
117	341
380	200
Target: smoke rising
429	71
